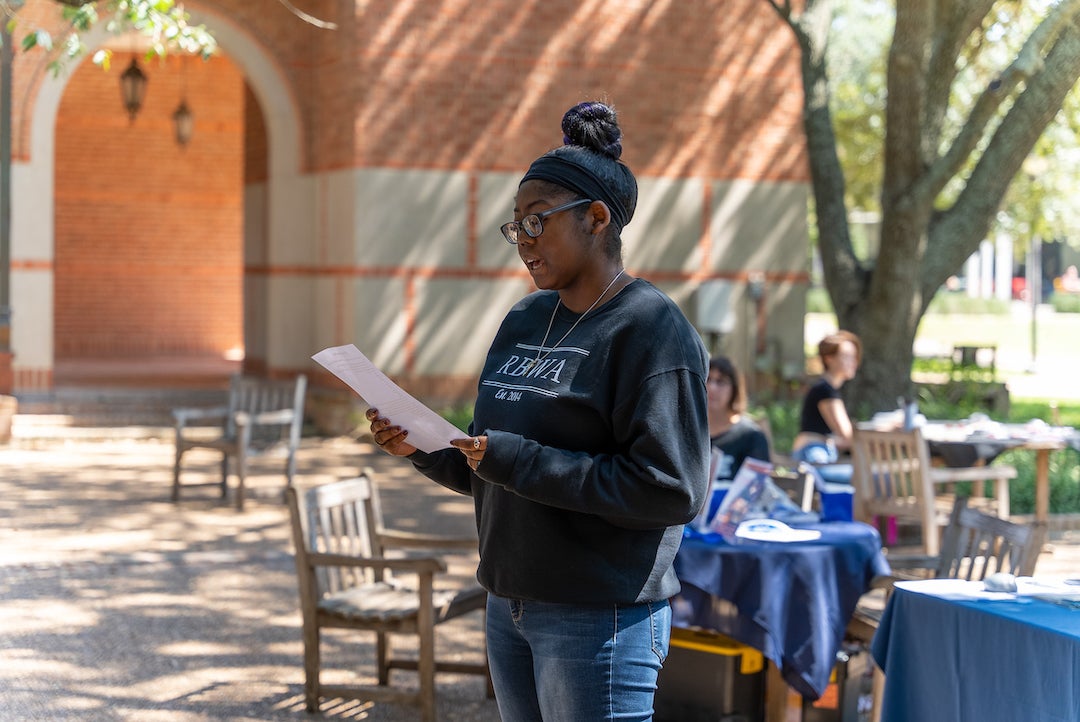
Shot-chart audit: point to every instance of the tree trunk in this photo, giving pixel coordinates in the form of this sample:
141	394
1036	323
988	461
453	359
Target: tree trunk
885	372
923	239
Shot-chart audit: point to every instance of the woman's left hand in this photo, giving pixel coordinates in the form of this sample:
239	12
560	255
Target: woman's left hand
473	448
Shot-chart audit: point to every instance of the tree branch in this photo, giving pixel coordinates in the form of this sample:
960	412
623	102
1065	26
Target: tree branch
310	19
955	22
1027	63
905	154
956	232
844	276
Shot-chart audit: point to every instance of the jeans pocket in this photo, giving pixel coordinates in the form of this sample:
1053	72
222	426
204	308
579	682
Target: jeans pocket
660	623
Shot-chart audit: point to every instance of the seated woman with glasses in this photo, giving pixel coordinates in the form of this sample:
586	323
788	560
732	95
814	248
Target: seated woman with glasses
588	449
734	435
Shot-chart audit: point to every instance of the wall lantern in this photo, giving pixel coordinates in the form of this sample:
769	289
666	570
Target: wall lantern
184	121
133	88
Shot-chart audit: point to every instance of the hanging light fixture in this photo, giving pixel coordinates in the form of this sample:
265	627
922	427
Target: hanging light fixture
182	117
185	123
133	88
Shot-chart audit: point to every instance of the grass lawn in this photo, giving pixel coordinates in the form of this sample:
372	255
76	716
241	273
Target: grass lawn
1057	335
1053	376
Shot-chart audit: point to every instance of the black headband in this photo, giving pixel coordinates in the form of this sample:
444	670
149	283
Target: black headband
581	180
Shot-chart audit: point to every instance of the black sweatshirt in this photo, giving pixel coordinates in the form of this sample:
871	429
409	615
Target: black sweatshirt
744	439
596	456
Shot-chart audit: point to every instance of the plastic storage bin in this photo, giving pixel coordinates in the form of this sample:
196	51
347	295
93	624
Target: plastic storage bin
708	676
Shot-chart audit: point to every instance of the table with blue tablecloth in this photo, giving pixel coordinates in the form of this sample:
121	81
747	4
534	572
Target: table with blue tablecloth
952	652
791	600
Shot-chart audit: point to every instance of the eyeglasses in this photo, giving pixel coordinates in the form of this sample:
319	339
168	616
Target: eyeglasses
533	224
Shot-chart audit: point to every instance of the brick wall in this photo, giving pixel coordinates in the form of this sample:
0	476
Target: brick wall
148	256
707	89
256	167
148	251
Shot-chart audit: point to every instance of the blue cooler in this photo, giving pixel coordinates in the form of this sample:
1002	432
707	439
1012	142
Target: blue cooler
837	502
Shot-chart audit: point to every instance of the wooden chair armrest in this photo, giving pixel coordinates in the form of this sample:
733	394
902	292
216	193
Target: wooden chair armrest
908	561
277	416
184	415
418	565
882	581
412	540
947	475
903	566
886	582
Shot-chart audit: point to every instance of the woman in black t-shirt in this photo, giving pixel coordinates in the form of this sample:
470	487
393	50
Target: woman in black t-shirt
825	429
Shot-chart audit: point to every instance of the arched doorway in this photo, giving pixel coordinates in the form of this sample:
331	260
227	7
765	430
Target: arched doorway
267	105
148	233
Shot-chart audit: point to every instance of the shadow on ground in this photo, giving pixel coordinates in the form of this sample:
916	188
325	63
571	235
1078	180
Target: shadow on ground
116	604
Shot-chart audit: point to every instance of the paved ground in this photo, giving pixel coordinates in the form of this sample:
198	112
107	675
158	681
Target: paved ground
116	604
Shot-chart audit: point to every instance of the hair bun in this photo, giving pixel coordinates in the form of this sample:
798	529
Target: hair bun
593	125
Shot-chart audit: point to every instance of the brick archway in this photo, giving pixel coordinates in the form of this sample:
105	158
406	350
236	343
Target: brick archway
148	234
44	194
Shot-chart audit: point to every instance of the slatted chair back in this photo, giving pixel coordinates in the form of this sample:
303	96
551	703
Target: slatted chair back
977	544
892	479
259	416
344	575
345	518
255	396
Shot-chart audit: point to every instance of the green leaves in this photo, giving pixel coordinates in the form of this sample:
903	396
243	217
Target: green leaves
81	17
37	39
163	21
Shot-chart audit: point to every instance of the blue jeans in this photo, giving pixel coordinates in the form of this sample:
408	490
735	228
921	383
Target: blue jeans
567	663
824	456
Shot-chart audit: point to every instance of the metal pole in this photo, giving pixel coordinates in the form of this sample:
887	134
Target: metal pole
1036	293
7	55
1034	166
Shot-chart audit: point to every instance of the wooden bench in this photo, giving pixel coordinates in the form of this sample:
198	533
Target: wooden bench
261	415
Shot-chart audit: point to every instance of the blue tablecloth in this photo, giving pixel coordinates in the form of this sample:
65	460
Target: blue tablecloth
793	599
980	660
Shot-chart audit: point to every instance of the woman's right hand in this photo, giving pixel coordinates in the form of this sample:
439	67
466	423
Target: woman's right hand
388	437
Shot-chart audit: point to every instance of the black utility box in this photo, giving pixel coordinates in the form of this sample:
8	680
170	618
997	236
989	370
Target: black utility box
708	677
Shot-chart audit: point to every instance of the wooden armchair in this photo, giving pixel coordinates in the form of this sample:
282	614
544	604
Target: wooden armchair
893	478
347	581
260	415
975	545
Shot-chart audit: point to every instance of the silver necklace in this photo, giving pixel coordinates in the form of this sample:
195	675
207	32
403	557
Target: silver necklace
551	323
